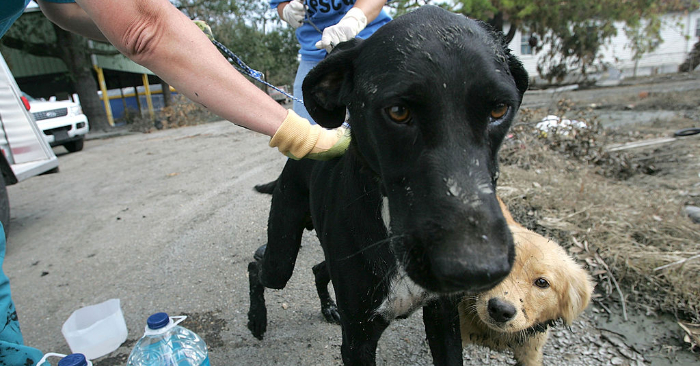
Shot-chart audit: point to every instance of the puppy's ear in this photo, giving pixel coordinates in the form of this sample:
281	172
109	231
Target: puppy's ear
580	288
327	83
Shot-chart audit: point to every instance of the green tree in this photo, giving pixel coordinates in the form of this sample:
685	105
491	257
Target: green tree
571	32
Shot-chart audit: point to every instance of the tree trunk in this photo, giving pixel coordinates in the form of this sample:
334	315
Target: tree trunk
693	59
74	54
165	90
498	21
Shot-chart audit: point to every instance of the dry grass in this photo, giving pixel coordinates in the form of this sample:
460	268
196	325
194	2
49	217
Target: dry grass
621	213
181	113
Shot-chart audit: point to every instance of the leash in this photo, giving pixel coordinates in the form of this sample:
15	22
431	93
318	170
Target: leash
307	18
247	70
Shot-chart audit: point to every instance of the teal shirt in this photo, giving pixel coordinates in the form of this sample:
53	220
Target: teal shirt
12	348
325	13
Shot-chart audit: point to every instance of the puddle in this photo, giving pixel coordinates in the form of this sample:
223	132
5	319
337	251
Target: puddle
658	338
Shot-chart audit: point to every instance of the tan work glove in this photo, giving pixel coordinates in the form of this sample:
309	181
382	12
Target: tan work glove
205	28
297	138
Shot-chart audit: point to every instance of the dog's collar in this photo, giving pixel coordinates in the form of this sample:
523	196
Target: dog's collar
538	328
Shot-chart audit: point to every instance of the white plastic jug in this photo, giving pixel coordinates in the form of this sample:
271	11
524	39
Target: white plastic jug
96	330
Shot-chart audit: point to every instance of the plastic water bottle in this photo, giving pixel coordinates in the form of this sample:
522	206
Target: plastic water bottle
165	343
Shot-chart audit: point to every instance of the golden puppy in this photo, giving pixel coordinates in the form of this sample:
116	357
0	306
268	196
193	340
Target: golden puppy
545	285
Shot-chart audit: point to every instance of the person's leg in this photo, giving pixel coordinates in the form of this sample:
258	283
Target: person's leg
12	348
304	68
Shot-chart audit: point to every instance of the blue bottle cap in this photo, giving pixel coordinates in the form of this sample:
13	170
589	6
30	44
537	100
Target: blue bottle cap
76	359
158	320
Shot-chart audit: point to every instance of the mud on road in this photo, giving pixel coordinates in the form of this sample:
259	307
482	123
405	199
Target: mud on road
168	221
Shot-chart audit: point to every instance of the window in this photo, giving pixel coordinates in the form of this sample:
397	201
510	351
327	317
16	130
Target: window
697	27
525	47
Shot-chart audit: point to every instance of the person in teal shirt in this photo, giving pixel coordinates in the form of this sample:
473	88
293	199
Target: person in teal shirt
321	25
12	349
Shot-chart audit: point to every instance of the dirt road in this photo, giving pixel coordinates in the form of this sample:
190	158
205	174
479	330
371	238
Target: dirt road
168	222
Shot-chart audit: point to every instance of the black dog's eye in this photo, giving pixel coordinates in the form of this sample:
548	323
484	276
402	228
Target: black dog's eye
499	111
541	283
398	113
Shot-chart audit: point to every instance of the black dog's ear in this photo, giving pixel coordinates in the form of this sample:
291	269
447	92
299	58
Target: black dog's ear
326	83
520	76
522	80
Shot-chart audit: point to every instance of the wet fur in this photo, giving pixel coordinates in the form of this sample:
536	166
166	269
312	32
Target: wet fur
567	296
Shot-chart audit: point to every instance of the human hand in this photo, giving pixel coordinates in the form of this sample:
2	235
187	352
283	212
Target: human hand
294	13
331	144
347	28
297	138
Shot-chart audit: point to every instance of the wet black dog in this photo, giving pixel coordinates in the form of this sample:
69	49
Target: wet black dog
408	217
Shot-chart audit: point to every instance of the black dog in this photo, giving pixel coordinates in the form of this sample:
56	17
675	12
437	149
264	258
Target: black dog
408	217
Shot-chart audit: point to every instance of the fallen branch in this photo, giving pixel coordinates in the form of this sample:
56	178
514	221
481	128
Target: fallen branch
676	262
637	144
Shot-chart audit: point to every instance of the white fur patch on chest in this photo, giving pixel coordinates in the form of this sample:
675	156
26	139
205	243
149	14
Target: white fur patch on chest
404	297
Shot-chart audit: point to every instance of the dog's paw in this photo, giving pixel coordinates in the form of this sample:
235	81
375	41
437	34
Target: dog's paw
330	312
259	253
257	323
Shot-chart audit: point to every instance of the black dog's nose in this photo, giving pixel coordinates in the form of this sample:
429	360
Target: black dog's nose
501	311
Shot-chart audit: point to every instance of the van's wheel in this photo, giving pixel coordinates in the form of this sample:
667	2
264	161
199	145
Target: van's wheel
74	146
4	206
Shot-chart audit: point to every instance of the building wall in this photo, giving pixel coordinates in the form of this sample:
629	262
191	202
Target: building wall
678	34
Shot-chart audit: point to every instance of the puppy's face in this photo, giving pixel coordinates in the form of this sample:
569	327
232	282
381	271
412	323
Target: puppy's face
545	285
430	97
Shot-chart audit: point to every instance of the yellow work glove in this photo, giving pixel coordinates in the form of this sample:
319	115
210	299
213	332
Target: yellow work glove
297	138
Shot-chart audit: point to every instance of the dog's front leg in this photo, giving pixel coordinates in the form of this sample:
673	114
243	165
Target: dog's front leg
441	319
360	339
530	352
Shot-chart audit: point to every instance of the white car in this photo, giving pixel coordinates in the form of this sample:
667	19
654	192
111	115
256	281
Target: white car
62	122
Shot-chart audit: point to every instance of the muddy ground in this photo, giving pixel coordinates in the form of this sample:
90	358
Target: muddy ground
168	221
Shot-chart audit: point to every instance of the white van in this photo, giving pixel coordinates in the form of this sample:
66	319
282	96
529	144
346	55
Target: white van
25	152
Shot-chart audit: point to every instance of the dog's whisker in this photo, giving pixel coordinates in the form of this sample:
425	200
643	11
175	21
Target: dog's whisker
373	245
360	197
386	279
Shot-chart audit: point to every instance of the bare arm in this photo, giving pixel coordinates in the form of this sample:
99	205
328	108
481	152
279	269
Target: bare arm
371	8
71	17
280	8
156	35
